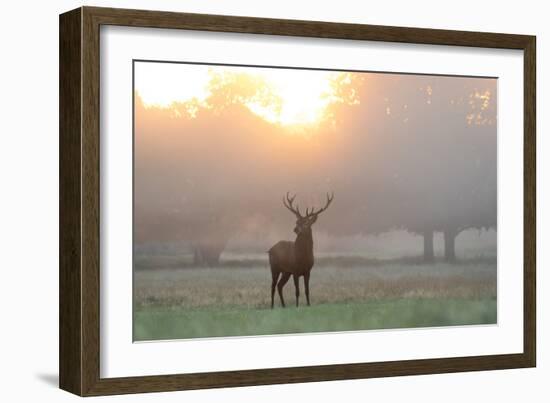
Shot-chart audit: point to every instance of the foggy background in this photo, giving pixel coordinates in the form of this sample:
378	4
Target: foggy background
411	160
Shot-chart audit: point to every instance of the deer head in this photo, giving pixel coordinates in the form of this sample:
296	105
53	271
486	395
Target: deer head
304	222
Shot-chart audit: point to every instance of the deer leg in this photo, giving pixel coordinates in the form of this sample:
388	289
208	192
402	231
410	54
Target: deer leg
297	287
306	285
274	278
280	285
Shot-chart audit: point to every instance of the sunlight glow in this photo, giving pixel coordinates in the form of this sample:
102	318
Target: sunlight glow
161	84
302	95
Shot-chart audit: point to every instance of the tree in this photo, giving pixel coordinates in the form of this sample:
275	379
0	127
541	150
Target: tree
455	152
428	146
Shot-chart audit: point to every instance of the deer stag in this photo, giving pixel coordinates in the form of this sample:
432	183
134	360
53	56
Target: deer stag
295	259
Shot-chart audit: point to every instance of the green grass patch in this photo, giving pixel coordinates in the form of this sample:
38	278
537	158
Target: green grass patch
153	323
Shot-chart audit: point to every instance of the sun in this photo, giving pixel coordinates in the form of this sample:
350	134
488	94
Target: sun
302	96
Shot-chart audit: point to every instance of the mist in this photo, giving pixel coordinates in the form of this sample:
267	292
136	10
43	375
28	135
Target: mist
411	160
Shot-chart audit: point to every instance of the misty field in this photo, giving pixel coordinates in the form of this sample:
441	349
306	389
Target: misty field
180	301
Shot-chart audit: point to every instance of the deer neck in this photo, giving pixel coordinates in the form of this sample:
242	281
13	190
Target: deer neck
303	247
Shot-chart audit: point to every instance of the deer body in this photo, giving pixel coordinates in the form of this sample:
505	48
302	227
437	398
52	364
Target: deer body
287	258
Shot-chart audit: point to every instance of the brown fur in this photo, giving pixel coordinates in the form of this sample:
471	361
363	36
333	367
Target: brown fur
287	258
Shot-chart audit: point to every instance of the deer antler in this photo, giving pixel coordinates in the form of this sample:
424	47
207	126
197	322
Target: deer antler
315	213
288	204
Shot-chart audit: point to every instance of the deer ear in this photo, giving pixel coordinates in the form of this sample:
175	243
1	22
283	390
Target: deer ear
313	219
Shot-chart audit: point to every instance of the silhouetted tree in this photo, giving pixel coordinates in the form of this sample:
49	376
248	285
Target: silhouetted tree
449	175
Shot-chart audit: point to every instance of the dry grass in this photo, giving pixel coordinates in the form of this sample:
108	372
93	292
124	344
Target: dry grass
250	286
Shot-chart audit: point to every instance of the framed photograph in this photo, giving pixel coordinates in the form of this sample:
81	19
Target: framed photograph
249	201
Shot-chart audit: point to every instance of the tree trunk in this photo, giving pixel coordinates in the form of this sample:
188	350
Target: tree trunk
449	237
208	253
428	246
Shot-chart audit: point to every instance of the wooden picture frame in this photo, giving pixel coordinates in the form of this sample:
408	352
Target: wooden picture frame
79	348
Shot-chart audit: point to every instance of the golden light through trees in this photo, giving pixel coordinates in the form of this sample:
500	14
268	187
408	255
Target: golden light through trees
285	97
308	102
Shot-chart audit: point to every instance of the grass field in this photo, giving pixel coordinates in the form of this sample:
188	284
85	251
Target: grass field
233	300
178	323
